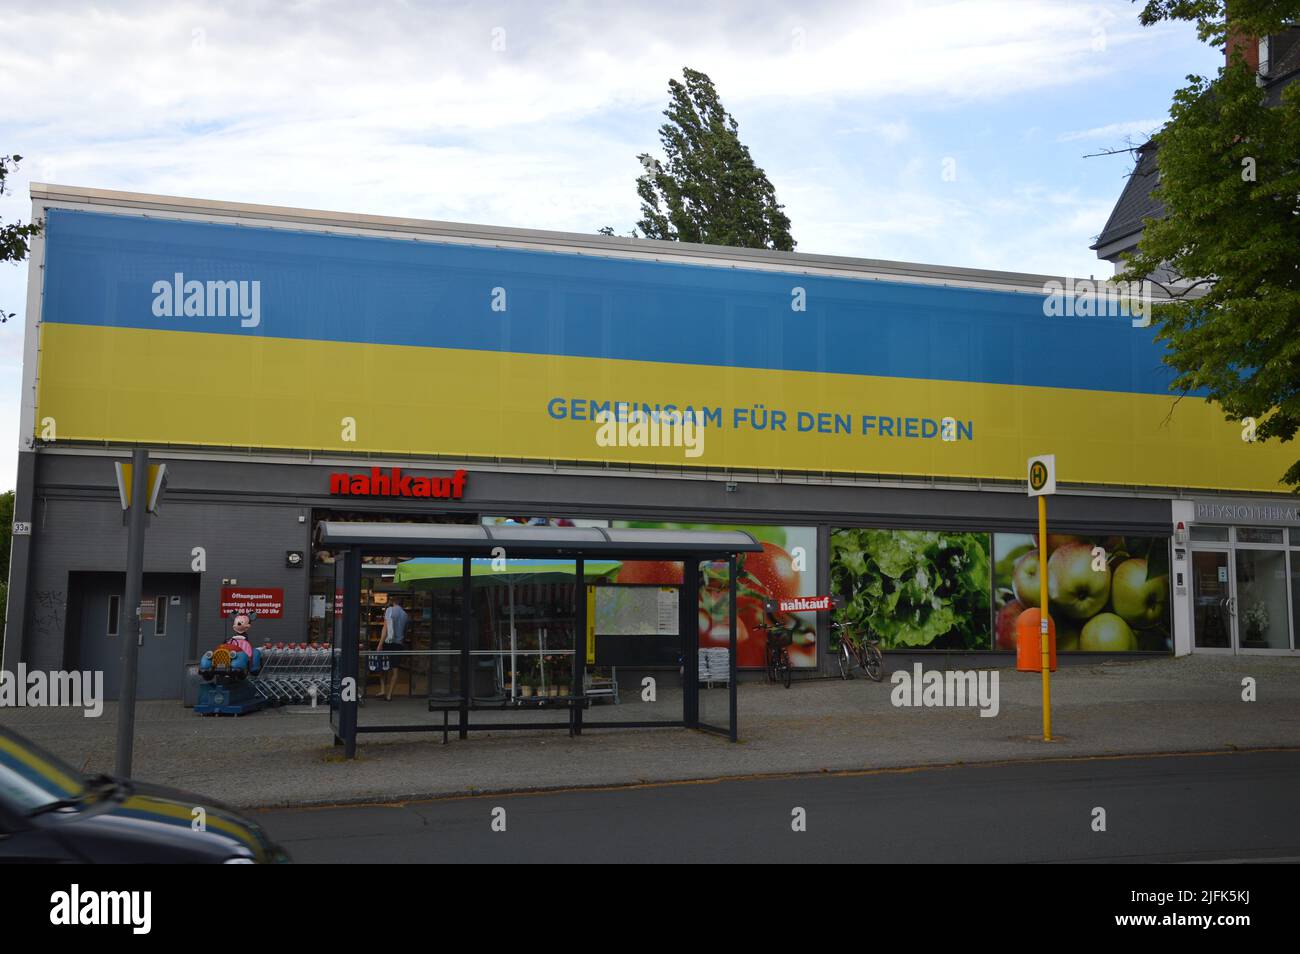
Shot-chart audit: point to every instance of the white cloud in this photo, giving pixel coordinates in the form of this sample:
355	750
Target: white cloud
1141	128
413	68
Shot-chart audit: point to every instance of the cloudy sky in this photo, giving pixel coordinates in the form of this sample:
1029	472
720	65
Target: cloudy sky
532	114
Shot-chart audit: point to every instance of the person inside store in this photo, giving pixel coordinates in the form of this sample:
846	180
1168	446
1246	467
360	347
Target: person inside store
393	637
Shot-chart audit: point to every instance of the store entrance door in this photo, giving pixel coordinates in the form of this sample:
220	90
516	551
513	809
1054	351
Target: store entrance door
1241	599
1212	606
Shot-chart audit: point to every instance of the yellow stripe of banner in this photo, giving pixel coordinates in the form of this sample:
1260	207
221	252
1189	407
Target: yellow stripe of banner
231	390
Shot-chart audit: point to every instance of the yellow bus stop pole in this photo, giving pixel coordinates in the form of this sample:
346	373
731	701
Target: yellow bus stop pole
1043	629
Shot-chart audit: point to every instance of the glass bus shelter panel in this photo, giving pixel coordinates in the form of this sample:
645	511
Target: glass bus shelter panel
529	644
334	612
714	669
439	634
524	624
401	682
633	654
647	696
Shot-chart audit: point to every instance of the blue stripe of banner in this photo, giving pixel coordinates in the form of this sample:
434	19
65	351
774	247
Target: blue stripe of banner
100	270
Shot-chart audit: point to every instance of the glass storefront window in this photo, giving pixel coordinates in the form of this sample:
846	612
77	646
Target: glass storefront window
1259	535
916	589
1211	534
1109	593
1262	599
1295	590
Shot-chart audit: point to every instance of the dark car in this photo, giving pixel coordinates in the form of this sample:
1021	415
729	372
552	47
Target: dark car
50	812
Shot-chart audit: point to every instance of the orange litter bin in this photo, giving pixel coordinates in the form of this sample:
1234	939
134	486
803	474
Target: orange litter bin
1029	653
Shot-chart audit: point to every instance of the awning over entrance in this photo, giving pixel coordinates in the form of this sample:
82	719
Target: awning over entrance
457	539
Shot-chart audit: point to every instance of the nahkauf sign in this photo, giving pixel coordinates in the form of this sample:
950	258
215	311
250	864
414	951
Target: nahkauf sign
804	604
391	482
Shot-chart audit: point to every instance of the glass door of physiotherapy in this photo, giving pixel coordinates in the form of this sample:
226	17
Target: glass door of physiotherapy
1213	601
1261	599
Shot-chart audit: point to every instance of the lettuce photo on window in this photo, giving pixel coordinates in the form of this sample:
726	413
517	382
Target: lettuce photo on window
927	589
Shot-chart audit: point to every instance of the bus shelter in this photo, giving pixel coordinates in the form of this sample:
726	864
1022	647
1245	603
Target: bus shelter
511	624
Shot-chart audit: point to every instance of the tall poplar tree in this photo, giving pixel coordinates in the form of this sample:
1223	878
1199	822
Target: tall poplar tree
709	189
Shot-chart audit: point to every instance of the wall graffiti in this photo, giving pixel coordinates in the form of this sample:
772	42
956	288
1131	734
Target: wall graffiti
49	615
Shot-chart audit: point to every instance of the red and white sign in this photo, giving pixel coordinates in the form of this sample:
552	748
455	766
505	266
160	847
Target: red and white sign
393	483
266	602
804	604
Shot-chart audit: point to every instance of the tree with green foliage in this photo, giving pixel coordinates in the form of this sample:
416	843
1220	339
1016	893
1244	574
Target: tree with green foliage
1230	185
15	239
1250	18
709	190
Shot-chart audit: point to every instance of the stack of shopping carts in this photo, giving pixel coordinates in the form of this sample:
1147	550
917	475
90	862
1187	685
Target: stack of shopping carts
295	673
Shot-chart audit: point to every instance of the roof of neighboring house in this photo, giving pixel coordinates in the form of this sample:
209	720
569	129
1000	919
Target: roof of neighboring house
1285	66
1135	202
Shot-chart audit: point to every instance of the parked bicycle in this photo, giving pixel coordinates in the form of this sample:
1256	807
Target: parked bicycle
864	653
779	639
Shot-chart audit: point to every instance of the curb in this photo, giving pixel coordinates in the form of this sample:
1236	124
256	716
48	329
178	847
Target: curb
401	801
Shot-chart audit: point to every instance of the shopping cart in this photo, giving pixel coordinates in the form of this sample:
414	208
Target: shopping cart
295	674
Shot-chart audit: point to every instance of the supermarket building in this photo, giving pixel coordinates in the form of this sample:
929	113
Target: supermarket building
868	421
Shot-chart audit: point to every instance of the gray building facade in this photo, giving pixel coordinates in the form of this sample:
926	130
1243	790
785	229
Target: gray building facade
240	517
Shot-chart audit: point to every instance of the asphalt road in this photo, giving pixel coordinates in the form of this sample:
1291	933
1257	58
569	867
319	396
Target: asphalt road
1212	807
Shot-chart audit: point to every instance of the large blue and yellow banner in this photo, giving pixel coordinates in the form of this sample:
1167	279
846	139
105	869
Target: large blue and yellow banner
186	332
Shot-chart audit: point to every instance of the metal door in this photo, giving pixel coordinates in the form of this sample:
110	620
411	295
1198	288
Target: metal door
163	641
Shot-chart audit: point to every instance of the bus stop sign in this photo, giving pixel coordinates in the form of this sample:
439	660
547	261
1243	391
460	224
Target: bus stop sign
1042	475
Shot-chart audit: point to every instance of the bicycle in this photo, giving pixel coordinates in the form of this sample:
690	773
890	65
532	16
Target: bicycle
864	653
778	653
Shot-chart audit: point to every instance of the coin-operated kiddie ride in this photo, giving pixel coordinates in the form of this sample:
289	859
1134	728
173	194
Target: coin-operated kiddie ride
228	673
